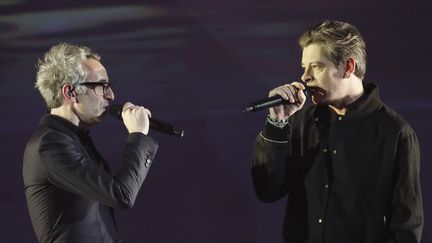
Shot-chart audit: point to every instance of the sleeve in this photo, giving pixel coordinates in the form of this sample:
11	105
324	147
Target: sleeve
406	216
68	166
269	163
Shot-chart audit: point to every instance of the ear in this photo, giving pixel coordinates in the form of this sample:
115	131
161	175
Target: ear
350	66
68	93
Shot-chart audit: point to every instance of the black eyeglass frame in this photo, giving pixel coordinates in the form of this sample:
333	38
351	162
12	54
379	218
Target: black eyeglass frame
93	85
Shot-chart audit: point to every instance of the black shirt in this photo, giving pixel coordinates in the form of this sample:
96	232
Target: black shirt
351	178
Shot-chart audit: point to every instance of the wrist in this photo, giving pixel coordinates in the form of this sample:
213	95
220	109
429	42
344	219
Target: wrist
280	123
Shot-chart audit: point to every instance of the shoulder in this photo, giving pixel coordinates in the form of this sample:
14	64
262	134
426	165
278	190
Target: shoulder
46	136
390	119
44	145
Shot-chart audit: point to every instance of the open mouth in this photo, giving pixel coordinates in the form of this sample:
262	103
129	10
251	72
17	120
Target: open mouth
310	90
316	91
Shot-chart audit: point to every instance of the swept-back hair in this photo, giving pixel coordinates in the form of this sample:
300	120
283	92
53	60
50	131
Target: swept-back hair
339	41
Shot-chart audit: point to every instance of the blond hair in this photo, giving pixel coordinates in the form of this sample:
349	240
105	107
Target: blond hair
339	41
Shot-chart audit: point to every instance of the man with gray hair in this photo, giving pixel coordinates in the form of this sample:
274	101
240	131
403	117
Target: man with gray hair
71	192
348	163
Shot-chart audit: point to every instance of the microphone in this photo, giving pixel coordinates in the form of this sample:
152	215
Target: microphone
115	111
271	102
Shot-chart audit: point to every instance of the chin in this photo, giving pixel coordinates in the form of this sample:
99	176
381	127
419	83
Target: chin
99	119
102	116
96	120
320	99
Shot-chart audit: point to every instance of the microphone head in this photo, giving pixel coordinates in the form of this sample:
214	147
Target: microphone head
115	111
273	101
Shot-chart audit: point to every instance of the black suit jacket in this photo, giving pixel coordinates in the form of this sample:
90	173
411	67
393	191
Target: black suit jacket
70	190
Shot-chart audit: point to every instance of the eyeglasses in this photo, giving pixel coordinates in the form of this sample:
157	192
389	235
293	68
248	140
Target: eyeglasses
100	88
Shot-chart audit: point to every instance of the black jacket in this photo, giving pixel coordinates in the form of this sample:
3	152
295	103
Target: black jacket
69	188
352	178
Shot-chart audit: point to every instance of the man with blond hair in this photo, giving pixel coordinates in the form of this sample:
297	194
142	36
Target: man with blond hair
348	163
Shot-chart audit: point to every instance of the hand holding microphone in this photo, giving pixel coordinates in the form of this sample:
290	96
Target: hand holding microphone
138	119
294	97
291	96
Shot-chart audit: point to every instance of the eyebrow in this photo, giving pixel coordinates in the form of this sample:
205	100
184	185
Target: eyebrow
314	62
99	81
96	83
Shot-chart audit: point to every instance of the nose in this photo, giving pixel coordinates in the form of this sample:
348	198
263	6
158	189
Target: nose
109	95
306	77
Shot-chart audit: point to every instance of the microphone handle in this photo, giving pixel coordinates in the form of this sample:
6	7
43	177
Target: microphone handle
271	102
115	111
165	128
265	103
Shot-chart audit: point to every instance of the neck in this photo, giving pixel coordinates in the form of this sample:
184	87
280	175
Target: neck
339	111
354	92
66	113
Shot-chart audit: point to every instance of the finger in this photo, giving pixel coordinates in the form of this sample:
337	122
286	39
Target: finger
298	85
300	90
143	110
127	105
148	113
293	93
136	108
276	91
301	96
281	91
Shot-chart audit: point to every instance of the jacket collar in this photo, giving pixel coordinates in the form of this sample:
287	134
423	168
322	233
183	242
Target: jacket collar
61	124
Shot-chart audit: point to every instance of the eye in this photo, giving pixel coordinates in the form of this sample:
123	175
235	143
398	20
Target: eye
317	67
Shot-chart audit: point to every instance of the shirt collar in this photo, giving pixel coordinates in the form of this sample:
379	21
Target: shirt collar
368	103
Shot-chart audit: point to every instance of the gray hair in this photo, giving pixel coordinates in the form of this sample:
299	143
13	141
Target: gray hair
339	41
62	64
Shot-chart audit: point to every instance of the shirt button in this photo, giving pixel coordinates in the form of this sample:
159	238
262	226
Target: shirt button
326	186
325	150
316	119
320	221
340	118
334	151
148	161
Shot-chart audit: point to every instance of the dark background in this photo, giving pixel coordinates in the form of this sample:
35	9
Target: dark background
195	64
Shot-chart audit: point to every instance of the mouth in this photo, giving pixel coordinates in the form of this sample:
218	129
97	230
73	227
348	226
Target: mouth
309	90
316	91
